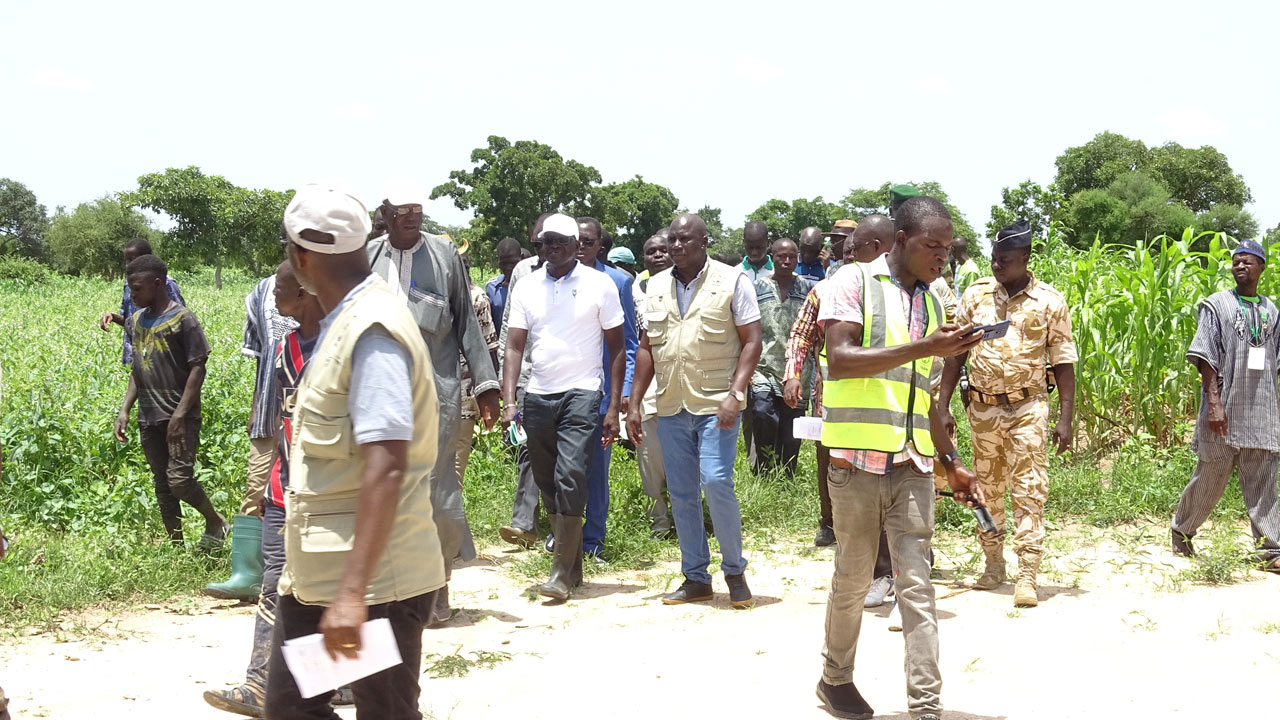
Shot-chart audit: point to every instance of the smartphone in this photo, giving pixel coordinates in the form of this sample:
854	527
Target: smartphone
991	332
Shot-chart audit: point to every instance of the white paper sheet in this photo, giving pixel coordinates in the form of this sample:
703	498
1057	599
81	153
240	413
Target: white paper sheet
315	672
807	428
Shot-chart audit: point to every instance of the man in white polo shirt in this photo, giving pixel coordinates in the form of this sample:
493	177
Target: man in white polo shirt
564	312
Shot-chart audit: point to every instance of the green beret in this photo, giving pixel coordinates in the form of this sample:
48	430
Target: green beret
898	194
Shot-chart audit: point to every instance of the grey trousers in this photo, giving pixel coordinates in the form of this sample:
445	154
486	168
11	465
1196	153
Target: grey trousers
1257	471
902	503
653	475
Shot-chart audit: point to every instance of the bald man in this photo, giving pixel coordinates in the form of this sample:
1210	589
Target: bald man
703	339
813	263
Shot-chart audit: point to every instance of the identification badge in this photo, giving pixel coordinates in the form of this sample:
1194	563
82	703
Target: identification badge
1257	358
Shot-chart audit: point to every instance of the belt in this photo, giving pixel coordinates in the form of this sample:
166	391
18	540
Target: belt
1008	398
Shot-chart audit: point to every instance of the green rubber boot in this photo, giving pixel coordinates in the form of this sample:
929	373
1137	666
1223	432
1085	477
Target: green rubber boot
246	562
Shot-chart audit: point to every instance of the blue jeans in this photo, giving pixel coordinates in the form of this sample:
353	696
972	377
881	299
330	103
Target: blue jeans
699	459
593	531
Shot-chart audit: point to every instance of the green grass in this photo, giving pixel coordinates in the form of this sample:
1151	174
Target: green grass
81	512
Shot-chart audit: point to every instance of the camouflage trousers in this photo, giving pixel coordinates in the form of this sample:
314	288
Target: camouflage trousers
1011	454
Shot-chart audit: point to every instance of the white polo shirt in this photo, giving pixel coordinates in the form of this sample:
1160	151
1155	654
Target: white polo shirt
566	319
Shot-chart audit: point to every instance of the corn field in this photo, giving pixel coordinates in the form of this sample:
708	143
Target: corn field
1134	312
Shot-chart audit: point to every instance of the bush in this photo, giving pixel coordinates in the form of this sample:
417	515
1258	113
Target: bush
23	270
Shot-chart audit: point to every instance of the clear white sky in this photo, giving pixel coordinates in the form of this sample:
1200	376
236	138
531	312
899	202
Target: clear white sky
726	103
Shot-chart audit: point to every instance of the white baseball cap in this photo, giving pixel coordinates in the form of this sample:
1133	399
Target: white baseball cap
334	220
404	191
559	224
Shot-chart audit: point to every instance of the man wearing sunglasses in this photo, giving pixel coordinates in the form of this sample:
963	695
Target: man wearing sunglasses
426	272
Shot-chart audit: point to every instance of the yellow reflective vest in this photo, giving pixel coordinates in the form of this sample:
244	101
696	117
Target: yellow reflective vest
882	412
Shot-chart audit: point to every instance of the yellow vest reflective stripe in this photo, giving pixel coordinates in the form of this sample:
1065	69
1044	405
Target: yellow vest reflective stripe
886	411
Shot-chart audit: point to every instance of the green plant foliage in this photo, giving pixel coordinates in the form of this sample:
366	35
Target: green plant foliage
23	220
22	271
89	240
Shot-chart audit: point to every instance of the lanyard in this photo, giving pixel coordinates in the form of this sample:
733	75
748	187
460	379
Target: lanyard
1254	329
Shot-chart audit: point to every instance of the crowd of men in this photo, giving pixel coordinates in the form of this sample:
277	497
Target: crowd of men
377	355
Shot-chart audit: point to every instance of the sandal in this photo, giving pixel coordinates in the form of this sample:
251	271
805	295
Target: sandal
239	700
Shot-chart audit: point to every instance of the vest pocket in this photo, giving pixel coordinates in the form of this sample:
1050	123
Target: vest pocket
430	310
324	430
328	532
656	327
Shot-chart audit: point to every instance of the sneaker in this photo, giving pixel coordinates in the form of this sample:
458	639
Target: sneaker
518	536
689	591
739	593
844	701
550	544
826	537
895	618
881	588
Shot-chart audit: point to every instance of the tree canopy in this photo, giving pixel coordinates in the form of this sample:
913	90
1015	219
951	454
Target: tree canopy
215	221
861	202
89	239
23	220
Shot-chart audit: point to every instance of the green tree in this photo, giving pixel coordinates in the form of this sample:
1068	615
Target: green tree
861	202
1097	163
512	184
1199	177
215	221
23	220
1229	219
711	216
1029	202
787	219
633	210
1132	210
89	239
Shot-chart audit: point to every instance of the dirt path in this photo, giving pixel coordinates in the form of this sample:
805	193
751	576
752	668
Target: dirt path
1117	646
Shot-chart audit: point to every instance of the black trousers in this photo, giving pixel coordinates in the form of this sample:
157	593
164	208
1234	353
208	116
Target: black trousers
388	695
772	424
173	472
560	428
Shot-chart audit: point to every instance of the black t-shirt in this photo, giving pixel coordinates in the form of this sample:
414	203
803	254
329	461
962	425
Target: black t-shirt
164	349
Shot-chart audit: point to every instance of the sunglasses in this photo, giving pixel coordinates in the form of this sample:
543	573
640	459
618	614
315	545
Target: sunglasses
557	239
403	210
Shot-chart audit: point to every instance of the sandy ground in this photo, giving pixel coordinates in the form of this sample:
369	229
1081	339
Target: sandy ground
1114	637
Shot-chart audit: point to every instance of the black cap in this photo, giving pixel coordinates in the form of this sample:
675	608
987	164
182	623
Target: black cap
1013	237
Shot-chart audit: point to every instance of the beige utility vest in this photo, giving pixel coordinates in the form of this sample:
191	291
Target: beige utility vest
326	467
694	357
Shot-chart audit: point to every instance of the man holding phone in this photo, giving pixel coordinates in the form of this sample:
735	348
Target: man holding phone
1025	324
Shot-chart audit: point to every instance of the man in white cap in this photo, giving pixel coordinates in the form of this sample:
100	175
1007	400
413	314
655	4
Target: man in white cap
567	313
359	539
426	272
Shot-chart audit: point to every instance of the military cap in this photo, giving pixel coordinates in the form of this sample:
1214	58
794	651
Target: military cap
1013	237
899	194
843	228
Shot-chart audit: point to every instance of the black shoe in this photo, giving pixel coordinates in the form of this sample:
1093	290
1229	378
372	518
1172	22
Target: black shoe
826	537
343	697
668	534
739	593
240	700
550	543
844	701
1182	544
688	592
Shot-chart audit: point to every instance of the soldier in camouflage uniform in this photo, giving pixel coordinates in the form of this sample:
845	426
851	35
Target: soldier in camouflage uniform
1008	403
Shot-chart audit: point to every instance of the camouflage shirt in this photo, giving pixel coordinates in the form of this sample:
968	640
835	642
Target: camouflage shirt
1039	332
480	301
778	314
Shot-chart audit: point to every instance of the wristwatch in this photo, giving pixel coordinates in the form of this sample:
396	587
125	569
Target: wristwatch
950	459
738	395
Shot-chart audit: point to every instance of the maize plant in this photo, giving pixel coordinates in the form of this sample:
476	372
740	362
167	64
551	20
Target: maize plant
1134	312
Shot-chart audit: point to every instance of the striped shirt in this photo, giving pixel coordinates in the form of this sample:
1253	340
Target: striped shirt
264	327
291	356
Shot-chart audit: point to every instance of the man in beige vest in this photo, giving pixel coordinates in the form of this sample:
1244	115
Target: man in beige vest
702	343
359	538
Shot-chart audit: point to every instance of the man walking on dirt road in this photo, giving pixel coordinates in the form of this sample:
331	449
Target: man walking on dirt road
1235	348
426	272
359	538
1008	401
883	330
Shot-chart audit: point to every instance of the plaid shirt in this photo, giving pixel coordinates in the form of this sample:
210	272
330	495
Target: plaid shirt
806	339
480	301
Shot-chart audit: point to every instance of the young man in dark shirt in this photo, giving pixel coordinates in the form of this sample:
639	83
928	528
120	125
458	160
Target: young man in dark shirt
169	354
